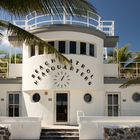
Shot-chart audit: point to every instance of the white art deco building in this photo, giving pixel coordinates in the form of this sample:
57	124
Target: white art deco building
43	87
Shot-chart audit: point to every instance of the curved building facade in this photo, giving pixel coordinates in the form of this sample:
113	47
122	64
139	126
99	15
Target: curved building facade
55	91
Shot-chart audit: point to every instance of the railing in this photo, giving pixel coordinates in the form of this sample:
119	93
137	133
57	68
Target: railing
131	70
91	19
3	69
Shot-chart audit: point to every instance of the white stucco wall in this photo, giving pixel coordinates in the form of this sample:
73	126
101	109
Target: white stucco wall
22	128
15	70
76	80
110	70
45	108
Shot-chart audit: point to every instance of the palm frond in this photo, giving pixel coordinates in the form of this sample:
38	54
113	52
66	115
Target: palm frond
31	40
135	81
24	7
1	36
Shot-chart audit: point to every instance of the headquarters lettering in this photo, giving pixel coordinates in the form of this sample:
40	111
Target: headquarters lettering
80	69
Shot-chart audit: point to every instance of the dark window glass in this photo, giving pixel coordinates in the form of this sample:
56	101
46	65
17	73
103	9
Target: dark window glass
10	98
16	98
115	99
61	46
82	48
41	50
110	111
16	111
36	97
91	49
110	99
73	47
51	43
61	107
32	50
116	110
11	111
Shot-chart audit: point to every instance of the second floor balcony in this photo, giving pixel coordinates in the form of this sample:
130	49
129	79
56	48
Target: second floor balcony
90	19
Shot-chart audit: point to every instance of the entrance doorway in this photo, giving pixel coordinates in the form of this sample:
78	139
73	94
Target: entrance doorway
113	104
61	108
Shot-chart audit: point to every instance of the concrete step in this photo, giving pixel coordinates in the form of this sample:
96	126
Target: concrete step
58	138
59	130
59	134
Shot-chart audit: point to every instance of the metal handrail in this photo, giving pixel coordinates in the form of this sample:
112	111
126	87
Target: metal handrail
5	68
93	20
129	71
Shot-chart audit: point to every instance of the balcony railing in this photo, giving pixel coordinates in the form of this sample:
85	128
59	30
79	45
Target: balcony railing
131	70
91	19
3	69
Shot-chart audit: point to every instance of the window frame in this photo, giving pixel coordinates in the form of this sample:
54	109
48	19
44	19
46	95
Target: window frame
13	93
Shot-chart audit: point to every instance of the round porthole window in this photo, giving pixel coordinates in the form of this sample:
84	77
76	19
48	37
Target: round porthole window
36	97
136	97
87	98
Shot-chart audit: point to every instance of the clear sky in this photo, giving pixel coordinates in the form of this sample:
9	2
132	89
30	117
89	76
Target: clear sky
126	14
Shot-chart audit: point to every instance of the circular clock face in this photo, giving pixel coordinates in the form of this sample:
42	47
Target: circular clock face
61	79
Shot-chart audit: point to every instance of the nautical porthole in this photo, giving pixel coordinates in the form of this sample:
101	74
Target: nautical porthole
136	97
36	97
87	98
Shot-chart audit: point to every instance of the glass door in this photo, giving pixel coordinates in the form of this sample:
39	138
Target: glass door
61	107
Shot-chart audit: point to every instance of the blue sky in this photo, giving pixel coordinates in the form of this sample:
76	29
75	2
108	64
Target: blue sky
126	14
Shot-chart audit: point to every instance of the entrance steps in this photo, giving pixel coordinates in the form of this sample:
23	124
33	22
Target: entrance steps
59	134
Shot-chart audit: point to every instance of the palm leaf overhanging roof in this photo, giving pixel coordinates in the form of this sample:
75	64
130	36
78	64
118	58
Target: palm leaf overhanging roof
31	40
135	81
24	7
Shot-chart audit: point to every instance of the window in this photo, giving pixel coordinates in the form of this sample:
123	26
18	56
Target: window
61	46
87	98
41	50
36	97
32	50
13	105
136	97
51	43
91	50
73	47
82	48
113	104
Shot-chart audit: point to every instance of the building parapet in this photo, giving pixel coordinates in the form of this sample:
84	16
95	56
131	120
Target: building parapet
33	20
10	80
114	80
